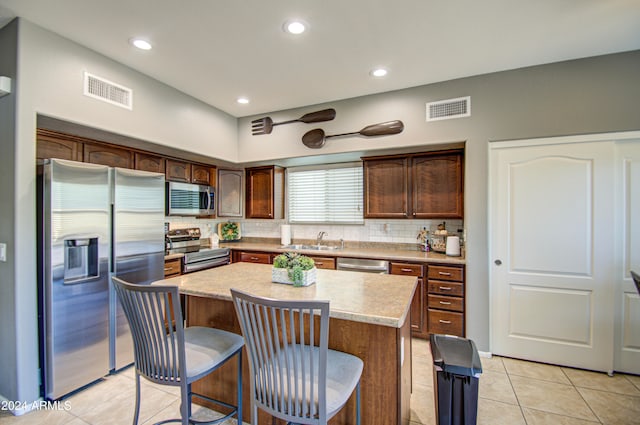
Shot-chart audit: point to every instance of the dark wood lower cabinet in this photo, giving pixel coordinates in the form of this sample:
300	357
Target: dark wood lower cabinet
324	262
253	257
172	267
438	305
418	311
445	302
445	322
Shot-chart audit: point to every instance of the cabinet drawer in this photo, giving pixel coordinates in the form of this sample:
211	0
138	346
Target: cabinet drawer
324	262
445	322
445	273
406	269
445	288
255	257
172	267
445	303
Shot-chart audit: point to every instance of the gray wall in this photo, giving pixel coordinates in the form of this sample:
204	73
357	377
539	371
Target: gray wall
576	97
584	96
10	342
49	82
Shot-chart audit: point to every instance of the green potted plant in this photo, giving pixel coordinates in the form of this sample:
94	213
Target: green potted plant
293	268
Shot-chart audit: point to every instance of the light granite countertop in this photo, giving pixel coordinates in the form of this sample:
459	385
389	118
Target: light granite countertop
356	252
380	299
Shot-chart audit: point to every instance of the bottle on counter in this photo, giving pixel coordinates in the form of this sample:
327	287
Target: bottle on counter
214	240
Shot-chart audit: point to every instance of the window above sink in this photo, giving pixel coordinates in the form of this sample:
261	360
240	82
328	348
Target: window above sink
325	194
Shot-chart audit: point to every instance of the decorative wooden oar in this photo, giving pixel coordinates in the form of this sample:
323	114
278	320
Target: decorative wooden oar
316	138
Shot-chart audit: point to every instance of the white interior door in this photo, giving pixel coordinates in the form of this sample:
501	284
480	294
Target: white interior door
551	236
627	209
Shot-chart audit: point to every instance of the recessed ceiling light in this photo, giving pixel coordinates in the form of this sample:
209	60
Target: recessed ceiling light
379	72
295	26
141	43
242	100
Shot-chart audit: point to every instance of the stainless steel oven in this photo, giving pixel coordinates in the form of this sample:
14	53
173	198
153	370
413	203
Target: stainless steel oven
187	242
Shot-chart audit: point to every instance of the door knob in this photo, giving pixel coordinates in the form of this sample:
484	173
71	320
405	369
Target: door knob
498	262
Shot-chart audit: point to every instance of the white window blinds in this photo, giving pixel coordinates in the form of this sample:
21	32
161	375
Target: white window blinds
326	194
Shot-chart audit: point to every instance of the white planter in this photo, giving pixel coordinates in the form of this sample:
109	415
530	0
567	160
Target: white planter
282	276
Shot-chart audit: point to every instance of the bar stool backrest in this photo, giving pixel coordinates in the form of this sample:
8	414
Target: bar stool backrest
287	342
157	330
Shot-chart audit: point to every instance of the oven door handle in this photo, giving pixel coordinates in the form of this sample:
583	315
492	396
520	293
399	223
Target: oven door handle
207	264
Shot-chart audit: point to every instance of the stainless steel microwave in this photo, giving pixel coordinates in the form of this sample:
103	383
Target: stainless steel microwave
189	199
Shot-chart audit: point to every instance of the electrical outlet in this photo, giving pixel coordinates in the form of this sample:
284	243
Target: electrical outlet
3	252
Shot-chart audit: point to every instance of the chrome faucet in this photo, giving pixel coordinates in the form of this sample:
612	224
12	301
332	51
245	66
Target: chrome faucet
319	238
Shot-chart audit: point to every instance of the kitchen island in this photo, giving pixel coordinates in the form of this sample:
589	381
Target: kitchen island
368	318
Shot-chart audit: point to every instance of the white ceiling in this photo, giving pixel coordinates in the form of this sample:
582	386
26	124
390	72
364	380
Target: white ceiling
218	50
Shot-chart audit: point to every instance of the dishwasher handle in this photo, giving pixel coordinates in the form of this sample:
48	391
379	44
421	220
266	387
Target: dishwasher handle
359	265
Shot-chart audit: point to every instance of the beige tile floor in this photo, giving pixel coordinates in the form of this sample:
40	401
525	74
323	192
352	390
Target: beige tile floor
512	392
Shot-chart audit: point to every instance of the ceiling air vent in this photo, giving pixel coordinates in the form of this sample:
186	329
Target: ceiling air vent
107	91
450	108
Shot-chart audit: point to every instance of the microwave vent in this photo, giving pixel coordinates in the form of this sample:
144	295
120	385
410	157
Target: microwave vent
448	109
107	91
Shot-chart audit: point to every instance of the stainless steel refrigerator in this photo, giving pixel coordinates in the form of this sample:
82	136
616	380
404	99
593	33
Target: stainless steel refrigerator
95	222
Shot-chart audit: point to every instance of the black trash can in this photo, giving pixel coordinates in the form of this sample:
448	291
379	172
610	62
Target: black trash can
456	372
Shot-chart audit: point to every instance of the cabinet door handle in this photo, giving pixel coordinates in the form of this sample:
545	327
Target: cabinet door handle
167	269
319	263
445	302
445	288
446	322
444	274
254	258
406	270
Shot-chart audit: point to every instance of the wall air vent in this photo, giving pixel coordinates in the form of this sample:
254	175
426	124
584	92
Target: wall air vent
107	91
450	108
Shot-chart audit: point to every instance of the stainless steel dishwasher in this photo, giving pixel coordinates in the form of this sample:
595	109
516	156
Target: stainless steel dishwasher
363	265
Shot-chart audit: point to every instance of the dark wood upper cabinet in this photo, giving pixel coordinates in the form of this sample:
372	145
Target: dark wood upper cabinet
264	192
178	171
187	172
107	155
437	185
52	145
426	185
147	162
386	188
203	174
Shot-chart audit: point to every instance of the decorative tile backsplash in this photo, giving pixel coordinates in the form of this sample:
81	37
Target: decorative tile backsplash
387	231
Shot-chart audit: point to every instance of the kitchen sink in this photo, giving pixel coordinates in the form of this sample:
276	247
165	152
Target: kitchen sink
311	247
